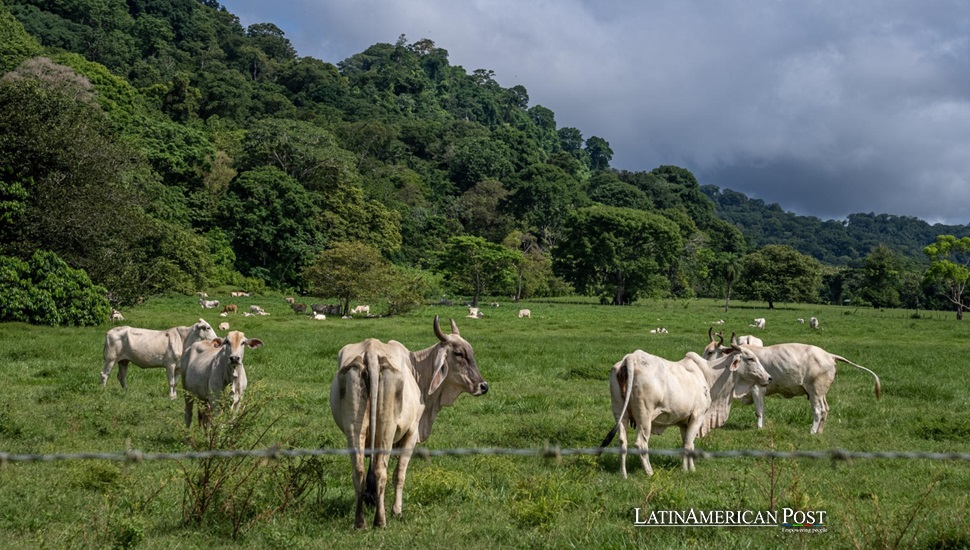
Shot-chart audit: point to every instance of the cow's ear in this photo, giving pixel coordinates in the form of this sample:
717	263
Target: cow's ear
254	342
440	370
736	363
216	342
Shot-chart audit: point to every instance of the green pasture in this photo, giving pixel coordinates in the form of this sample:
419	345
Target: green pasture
548	386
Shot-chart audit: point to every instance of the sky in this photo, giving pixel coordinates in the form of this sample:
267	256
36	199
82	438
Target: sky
827	108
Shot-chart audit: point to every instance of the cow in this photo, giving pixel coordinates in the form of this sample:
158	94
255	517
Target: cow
384	396
239	294
475	313
325	309
361	309
150	349
813	322
319	317
290	300
298	308
525	313
749	340
116	315
759	323
208	304
230	308
208	367
652	394
223	326
795	369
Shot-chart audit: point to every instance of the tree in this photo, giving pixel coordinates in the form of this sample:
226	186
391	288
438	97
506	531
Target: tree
348	271
599	152
542	196
46	291
950	259
475	266
618	254
880	279
778	273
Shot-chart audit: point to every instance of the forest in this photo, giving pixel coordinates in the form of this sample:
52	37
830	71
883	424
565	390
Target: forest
158	146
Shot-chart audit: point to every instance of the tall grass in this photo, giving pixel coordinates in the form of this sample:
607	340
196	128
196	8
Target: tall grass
548	385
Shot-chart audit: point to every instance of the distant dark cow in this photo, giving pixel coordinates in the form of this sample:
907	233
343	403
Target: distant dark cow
298	308
325	309
230	308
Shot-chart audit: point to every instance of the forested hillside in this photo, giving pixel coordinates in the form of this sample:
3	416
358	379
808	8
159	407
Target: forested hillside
158	145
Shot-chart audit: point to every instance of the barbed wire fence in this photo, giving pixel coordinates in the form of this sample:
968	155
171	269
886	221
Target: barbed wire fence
547	452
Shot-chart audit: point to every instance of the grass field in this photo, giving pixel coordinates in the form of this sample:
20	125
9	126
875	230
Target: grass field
548	386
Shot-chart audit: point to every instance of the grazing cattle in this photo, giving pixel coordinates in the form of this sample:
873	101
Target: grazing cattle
223	326
652	394
325	309
759	323
525	313
795	369
319	317
361	310
208	304
150	349
298	308
202	295
800	321
658	330
290	300
248	314
238	294
475	313
231	308
384	396
116	315
749	340
208	367
495	304
813	322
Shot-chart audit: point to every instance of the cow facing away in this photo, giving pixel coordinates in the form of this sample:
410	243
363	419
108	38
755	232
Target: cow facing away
209	367
795	369
694	394
149	349
386	397
525	313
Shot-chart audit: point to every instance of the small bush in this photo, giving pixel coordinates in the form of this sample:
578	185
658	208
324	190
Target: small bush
46	291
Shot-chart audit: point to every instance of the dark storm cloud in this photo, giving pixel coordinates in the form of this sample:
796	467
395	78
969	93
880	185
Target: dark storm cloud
827	108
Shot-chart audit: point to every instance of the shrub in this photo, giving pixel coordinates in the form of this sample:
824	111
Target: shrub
46	291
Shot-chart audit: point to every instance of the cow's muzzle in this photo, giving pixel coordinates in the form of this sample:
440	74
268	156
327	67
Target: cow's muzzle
235	359
482	388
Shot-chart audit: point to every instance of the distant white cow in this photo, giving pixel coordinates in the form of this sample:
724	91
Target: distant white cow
208	304
694	394
750	340
813	322
800	321
365	310
208	367
759	323
150	349
116	315
659	330
525	313
795	369
475	313
223	326
319	317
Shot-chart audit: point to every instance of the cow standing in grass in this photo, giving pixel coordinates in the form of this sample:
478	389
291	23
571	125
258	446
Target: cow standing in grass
384	396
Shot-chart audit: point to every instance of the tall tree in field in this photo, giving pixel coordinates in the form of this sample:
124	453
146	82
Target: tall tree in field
476	266
348	271
881	277
617	254
778	273
950	259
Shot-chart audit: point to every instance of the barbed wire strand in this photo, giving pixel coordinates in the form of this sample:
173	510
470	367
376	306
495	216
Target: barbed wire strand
549	452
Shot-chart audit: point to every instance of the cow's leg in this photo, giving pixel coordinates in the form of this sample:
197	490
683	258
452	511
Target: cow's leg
379	465
172	379
401	470
758	396
109	363
621	434
688	434
355	442
123	373
818	412
825	413
188	410
643	440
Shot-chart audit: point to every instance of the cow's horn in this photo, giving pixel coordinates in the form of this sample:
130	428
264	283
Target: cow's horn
710	333
437	329
454	328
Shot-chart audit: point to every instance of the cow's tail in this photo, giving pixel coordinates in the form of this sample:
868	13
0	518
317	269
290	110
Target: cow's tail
626	403
874	375
373	370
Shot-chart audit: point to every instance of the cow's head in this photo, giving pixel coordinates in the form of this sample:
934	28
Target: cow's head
714	348
748	368
204	331
455	370
235	344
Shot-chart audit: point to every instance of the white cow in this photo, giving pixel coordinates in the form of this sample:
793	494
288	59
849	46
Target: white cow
475	313
116	315
208	304
525	313
813	322
361	310
759	323
384	396
150	349
795	369
208	367
694	394
749	340
319	317
223	326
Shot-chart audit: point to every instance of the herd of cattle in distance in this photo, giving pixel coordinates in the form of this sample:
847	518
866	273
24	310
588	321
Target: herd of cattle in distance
385	396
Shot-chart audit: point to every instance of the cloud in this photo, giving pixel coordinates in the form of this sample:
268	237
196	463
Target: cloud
826	108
